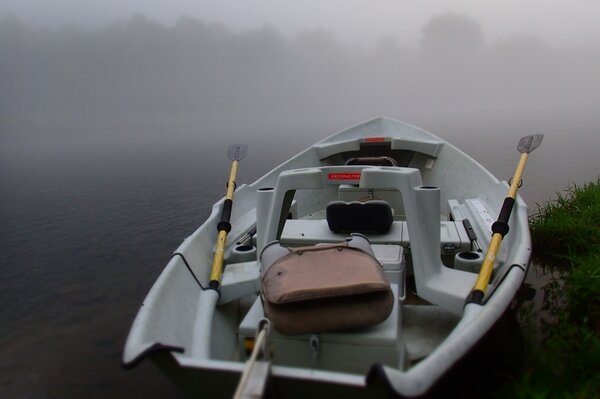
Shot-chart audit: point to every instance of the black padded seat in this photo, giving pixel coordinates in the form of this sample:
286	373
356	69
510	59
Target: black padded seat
373	161
374	217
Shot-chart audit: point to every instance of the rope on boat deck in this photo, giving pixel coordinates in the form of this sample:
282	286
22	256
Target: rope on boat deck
256	373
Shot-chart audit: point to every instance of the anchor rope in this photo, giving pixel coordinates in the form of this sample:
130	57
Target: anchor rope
258	348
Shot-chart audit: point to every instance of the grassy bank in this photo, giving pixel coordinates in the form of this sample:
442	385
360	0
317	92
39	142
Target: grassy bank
563	359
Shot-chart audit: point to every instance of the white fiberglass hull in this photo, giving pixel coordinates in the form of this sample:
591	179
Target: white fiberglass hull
434	187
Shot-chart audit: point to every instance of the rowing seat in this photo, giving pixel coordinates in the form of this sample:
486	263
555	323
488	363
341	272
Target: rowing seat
325	287
368	217
373	161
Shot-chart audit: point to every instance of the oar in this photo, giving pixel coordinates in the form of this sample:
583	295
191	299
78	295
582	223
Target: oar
210	296
235	153
500	227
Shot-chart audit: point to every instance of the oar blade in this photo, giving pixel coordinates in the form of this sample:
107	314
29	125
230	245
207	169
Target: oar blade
530	143
237	152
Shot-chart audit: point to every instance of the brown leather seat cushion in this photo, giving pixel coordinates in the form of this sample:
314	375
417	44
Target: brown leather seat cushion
325	288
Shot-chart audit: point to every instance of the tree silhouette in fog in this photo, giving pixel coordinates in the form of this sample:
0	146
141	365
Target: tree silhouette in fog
451	37
206	76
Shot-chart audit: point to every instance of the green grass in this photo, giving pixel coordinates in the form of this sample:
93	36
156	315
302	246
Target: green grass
564	362
568	226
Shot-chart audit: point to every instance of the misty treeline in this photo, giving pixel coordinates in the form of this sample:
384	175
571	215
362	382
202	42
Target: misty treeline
138	68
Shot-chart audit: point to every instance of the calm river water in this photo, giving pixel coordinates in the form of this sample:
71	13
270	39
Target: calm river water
87	225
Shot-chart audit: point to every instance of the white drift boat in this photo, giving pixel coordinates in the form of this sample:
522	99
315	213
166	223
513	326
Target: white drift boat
340	314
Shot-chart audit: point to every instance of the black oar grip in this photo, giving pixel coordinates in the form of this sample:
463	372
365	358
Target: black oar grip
500	226
224	224
476	296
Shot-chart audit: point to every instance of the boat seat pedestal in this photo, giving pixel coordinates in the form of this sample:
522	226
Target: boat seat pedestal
351	351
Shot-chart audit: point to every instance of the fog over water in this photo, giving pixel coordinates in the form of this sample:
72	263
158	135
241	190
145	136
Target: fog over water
137	79
352	21
114	127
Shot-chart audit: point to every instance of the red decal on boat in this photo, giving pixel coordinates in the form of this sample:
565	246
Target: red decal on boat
374	139
344	176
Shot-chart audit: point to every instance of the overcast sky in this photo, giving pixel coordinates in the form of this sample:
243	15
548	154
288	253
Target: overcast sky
352	21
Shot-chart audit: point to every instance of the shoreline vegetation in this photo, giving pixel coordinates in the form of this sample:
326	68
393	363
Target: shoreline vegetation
562	337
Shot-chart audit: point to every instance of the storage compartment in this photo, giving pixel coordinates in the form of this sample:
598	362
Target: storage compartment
392	259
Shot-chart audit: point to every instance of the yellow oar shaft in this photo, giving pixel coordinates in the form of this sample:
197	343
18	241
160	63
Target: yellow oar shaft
217	265
512	192
487	267
224	227
500	227
488	264
231	181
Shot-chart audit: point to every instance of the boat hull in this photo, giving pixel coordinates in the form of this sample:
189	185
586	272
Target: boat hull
197	337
